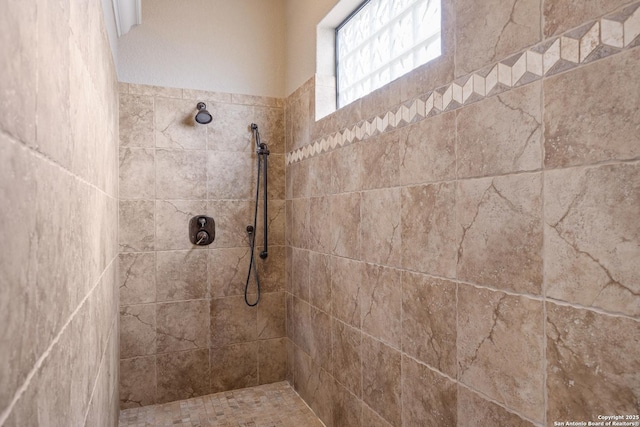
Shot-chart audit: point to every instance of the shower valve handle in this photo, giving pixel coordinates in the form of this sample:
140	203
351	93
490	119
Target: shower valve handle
203	238
202	230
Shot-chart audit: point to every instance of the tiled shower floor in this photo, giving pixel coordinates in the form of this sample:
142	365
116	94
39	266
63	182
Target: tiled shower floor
271	405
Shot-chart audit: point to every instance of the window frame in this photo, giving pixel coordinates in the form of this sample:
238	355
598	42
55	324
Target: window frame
336	46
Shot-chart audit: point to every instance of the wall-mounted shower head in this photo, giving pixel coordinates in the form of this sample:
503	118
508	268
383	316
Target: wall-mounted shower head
203	117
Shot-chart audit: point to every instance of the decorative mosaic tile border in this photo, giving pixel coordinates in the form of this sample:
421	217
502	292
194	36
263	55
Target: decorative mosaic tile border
595	40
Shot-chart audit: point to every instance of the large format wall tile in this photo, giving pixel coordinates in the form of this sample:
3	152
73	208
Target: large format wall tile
347	356
231	175
346	281
380	231
562	15
137	173
137	330
276	223
160	91
18	87
275	175
501	134
181	175
232	321
380	158
320	225
272	360
429	234
427	398
18	311
428	142
371	419
137	221
591	236
234	366
297	120
182	375
298	177
517	190
230	129
346	169
320	339
301	319
271	270
429	321
136	121
53	100
300	274
475	411
300	223
319	175
172	223
270	123
232	218
315	386
579	132
175	126
137	382
182	325
500	348
59	209
501	222
381	379
592	364
320	281
347	408
491	30
228	269
181	275
184	169
381	303
345	224
271	316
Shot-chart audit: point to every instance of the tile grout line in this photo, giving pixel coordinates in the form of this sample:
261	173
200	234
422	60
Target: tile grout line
27	382
304	152
155	254
489	288
102	359
545	362
421	363
612	162
44	157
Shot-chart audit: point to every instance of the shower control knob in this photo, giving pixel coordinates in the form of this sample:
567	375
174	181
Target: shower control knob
202	230
202	238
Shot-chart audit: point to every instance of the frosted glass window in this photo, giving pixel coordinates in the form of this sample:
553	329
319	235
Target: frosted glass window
381	41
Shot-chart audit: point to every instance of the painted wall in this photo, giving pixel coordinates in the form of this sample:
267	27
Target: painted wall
59	216
463	242
185	330
215	45
302	17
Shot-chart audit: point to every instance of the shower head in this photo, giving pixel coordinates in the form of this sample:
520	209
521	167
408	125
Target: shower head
203	117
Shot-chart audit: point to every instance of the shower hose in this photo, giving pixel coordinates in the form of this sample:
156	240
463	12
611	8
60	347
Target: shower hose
262	151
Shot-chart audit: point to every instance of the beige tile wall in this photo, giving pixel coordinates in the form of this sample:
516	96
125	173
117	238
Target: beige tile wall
466	254
58	210
185	330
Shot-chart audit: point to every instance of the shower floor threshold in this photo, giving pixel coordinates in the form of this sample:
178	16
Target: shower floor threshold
270	405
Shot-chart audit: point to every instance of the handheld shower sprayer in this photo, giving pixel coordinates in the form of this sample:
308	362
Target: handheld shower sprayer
263	152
